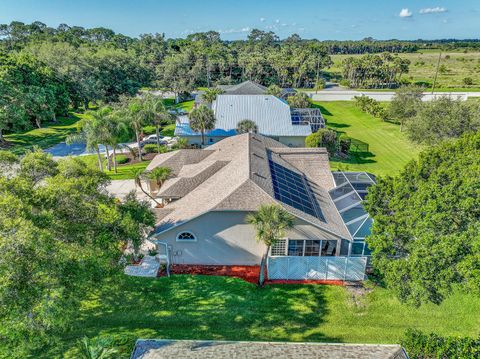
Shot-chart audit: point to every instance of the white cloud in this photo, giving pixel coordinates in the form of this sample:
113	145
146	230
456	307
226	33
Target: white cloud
277	21
432	10
405	13
262	19
235	31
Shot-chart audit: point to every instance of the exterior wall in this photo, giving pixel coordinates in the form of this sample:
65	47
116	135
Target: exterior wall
223	238
293	141
197	140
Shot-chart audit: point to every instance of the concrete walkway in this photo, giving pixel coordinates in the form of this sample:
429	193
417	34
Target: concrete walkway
147	268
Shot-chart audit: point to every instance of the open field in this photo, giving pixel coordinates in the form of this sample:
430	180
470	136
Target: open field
389	150
223	308
458	65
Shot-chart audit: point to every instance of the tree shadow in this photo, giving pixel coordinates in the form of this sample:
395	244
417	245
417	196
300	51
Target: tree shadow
203	307
323	110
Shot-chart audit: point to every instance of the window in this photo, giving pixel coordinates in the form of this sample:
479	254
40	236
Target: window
360	249
186	236
310	248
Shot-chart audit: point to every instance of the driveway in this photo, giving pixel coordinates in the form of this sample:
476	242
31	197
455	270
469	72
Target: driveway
120	188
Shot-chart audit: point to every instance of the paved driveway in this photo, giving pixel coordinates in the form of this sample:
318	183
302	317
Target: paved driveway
120	188
348	95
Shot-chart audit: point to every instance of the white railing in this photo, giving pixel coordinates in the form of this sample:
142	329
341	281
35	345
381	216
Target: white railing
317	268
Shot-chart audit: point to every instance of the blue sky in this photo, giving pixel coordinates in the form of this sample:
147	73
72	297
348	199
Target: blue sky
321	19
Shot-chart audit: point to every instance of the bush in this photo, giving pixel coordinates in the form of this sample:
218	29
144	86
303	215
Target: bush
299	100
344	143
149	130
122	159
468	81
344	82
419	345
370	106
150	148
323	138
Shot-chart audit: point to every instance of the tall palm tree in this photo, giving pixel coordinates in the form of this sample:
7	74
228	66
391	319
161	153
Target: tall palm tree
138	176
158	114
247	126
210	95
92	131
202	119
136	116
115	131
270	222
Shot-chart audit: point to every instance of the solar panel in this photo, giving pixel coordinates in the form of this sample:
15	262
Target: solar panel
290	188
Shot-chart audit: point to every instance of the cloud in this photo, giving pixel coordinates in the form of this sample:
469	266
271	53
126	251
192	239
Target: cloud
405	13
277	21
262	19
235	31
432	10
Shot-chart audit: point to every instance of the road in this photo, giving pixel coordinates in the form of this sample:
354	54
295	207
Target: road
348	95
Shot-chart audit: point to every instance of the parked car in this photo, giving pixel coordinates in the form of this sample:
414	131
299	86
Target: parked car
152	139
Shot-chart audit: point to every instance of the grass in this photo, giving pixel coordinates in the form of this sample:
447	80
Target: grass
389	149
222	308
44	137
459	65
124	172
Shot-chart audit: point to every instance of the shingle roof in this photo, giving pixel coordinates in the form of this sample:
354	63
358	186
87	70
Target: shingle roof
244	88
235	175
272	116
198	349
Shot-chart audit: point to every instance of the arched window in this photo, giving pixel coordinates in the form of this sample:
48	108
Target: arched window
186	236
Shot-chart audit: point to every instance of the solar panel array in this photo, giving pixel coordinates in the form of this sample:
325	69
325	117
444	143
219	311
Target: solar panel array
290	188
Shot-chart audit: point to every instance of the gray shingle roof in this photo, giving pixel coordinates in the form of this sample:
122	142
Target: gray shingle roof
244	88
235	175
198	349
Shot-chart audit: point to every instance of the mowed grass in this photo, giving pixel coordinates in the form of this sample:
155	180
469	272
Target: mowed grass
389	149
459	65
124	172
45	137
223	308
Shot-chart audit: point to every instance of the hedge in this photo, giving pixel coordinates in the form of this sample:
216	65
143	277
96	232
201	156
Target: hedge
419	345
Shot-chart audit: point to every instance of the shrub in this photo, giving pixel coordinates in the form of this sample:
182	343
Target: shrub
323	138
299	100
149	130
122	159
419	345
344	82
468	81
370	106
150	148
344	143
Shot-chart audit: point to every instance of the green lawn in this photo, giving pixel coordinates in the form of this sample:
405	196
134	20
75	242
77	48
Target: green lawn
44	137
389	149
126	171
201	307
423	64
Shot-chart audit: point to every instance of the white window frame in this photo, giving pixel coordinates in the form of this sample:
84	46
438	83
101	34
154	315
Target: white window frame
186	240
287	240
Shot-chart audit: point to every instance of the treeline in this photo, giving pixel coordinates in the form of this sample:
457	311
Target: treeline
374	71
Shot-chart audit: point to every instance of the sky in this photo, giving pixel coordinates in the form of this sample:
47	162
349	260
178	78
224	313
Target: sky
320	19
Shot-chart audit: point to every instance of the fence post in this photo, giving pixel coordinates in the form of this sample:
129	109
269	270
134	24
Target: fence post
345	269
326	268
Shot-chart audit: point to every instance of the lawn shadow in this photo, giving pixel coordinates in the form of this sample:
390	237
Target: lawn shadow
204	307
323	110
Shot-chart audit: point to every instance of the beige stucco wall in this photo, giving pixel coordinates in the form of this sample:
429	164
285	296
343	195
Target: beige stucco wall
223	238
292	141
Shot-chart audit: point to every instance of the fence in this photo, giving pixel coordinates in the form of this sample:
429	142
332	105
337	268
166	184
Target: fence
320	268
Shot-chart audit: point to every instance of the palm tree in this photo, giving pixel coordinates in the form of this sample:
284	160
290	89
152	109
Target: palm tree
274	90
97	349
210	95
115	130
270	222
159	175
136	116
158	115
247	126
138	176
92	131
202	119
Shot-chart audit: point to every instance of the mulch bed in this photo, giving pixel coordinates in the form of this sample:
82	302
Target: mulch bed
247	273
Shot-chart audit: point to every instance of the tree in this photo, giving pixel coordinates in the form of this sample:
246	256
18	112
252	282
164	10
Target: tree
425	237
159	175
247	126
299	100
139	175
320	84
404	104
271	223
323	138
202	119
159	114
60	237
441	119
136	115
210	95
274	90
37	165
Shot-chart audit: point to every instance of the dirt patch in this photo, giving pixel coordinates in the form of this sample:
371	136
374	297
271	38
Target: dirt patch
357	293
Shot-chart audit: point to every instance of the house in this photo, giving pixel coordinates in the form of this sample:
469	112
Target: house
213	189
273	117
164	348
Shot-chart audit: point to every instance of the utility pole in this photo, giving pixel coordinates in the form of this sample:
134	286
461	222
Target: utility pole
436	72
